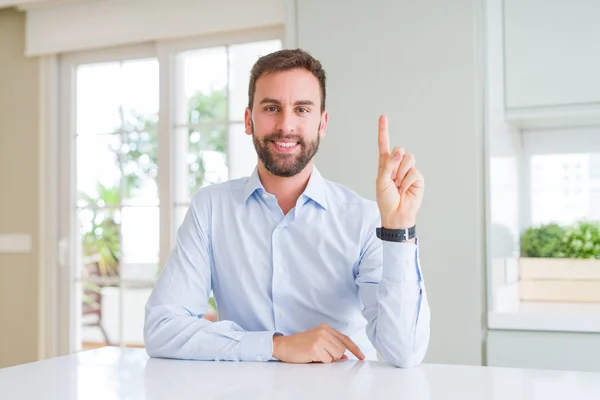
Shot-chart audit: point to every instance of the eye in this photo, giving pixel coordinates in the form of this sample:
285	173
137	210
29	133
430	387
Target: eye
271	109
303	110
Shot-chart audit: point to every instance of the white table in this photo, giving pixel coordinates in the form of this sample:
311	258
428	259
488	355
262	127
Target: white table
112	373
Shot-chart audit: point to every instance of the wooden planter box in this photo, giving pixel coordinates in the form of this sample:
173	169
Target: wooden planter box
559	280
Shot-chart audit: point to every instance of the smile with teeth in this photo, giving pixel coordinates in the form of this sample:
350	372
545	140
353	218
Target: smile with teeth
286	144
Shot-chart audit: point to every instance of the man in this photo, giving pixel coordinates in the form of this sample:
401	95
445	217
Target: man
300	267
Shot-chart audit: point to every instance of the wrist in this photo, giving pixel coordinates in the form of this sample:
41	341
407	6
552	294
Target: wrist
277	345
397	224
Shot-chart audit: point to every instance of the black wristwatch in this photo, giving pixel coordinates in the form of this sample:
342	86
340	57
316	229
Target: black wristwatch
396	235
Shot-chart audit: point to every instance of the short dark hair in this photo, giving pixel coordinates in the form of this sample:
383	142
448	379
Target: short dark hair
285	60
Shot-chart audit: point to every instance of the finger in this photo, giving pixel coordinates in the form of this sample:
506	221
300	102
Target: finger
334	345
397	150
408	162
324	357
344	357
335	348
350	345
383	136
387	167
412	178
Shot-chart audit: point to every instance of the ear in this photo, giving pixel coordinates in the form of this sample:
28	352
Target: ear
324	122
248	121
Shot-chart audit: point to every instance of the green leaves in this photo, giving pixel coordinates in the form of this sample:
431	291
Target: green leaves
543	241
581	240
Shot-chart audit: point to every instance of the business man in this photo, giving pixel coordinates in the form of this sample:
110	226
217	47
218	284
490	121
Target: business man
302	269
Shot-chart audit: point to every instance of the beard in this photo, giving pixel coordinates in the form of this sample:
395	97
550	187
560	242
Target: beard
281	164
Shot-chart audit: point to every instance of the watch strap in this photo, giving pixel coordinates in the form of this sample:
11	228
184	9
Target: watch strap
396	235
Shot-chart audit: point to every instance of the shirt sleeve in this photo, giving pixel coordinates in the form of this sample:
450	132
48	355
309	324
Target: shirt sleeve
174	324
394	299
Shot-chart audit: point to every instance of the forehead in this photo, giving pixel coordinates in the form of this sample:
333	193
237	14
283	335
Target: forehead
289	86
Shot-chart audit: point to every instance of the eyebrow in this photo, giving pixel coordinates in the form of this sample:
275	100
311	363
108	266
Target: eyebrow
297	103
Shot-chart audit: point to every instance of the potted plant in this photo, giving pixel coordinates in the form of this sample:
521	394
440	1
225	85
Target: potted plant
560	264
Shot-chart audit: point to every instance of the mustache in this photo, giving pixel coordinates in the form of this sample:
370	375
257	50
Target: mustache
280	136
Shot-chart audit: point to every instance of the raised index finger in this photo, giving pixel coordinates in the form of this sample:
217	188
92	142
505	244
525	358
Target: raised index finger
383	137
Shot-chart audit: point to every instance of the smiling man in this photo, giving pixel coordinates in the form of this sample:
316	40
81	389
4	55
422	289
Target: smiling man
303	269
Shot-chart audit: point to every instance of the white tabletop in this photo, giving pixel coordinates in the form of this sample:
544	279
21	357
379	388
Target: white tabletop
112	373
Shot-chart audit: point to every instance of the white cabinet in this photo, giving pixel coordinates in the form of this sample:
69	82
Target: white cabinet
544	350
552	53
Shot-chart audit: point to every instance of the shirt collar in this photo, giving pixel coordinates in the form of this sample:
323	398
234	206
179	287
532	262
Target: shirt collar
252	185
316	189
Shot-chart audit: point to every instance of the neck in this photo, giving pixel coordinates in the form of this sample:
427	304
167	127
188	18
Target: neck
287	190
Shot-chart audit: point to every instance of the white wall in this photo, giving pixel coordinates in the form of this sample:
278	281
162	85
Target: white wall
420	63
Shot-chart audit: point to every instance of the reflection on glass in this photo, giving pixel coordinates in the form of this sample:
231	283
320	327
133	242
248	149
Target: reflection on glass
99	91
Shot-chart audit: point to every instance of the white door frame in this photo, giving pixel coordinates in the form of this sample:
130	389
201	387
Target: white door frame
50	273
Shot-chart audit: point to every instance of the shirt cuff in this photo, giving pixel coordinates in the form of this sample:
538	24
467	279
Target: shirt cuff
257	346
400	262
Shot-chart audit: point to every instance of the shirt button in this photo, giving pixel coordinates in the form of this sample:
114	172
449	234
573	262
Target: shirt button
259	357
281	270
282	313
265	196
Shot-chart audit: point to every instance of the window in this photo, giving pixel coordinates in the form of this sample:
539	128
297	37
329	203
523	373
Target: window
208	123
117	203
131	166
565	188
546	274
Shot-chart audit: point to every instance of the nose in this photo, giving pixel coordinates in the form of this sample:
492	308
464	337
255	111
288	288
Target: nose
286	123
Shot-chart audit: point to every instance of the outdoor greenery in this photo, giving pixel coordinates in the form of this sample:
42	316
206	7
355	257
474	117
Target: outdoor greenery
138	154
579	240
